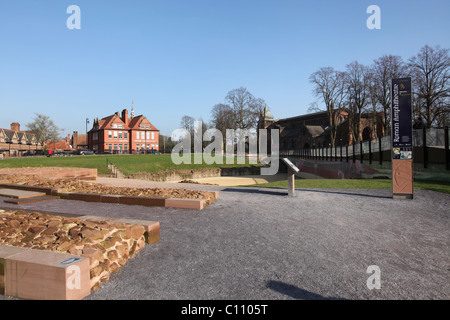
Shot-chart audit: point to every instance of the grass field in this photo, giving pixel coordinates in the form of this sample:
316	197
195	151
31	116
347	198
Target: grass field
127	164
419	184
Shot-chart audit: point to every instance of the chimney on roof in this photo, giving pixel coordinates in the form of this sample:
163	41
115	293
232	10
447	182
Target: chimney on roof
125	116
15	126
75	140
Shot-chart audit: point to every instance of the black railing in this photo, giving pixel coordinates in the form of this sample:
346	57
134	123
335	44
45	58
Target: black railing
425	142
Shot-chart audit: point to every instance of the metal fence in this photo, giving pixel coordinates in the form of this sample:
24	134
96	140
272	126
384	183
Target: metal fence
426	142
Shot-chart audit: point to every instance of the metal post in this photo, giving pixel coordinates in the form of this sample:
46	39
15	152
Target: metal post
447	151
346	152
424	147
380	151
291	183
354	154
361	153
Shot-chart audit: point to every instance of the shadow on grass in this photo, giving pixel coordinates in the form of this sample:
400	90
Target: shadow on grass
296	292
283	192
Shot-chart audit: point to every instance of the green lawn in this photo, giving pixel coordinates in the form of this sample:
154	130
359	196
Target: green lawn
98	162
130	164
127	164
419	184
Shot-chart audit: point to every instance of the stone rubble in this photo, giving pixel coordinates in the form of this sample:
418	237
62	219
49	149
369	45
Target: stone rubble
81	186
108	245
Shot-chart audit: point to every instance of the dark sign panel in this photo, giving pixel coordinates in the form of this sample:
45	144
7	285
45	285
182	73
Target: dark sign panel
401	113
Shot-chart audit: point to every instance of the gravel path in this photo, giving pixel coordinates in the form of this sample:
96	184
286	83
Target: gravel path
261	244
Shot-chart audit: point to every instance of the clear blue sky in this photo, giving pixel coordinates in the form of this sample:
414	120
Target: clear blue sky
181	57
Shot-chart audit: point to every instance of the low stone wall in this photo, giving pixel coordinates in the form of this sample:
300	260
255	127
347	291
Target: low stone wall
107	244
240	171
54	172
174	175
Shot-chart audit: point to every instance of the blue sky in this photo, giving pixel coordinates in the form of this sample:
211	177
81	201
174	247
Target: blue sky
178	58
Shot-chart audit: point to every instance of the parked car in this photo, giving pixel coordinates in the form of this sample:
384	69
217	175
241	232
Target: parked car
86	152
28	154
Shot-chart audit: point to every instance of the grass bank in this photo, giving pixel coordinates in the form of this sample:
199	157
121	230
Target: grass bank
127	164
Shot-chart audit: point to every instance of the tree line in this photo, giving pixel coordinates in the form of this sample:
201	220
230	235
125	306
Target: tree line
367	89
240	110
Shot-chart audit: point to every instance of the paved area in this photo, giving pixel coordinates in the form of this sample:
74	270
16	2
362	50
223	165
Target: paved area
262	244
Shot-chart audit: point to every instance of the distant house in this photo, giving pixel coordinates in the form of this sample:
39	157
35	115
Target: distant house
59	145
15	142
119	133
79	141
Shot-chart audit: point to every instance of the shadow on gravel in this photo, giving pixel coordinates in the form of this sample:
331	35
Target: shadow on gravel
347	193
256	191
283	192
295	292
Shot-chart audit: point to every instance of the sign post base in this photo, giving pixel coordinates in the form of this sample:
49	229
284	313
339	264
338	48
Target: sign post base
291	183
402	179
292	170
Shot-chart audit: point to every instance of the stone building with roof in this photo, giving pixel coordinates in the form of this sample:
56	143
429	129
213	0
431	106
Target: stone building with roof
313	130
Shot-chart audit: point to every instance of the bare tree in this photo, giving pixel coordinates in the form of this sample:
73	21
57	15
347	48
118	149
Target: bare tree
430	70
245	108
328	84
383	70
222	117
357	85
187	122
44	128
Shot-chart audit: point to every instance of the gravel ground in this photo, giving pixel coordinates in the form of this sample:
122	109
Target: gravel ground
261	244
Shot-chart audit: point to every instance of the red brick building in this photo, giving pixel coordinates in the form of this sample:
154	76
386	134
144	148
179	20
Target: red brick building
119	133
59	145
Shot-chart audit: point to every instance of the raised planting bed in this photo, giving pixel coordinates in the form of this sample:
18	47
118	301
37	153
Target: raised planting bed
94	192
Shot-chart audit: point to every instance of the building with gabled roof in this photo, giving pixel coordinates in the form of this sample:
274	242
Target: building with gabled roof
15	142
119	133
